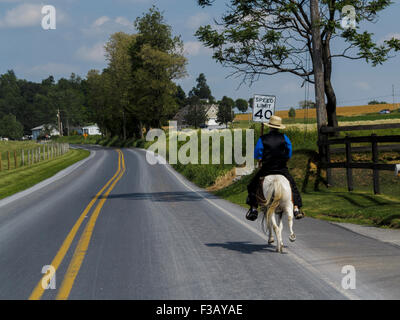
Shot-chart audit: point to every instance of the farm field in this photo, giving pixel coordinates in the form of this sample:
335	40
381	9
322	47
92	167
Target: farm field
364	111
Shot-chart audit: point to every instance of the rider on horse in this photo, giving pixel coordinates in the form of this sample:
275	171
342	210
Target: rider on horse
273	150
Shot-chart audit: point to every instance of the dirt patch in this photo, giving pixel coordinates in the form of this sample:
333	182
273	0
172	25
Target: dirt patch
223	181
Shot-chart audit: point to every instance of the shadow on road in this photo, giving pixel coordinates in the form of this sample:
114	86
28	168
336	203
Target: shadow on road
164	196
243	247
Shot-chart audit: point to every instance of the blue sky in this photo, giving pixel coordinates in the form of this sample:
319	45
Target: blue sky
83	26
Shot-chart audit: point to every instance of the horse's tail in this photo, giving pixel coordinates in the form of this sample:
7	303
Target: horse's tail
273	198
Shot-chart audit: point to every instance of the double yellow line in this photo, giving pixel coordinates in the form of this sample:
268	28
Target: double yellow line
83	244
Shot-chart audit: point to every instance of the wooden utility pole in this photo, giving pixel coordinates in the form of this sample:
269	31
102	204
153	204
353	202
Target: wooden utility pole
59	122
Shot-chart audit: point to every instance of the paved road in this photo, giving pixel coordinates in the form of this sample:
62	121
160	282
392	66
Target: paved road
151	234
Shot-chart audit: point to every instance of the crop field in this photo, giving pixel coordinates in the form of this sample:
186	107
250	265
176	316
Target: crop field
341	112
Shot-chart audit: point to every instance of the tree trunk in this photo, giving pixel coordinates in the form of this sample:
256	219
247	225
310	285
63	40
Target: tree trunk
329	91
318	66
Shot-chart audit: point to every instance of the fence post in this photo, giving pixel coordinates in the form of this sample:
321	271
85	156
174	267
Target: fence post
349	171
1	160
22	158
15	159
328	161
375	160
8	158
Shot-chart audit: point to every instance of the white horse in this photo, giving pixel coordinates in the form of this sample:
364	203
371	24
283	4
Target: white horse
278	201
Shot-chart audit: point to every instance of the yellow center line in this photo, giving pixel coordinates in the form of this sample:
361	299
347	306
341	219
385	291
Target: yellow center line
83	244
39	290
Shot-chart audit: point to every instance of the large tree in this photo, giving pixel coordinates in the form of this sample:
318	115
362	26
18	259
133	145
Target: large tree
120	69
242	105
267	37
10	127
157	59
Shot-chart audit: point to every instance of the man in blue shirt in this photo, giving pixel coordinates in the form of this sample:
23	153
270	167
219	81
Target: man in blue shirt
273	150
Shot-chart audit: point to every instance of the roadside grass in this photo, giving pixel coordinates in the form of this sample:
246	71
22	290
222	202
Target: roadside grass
17	180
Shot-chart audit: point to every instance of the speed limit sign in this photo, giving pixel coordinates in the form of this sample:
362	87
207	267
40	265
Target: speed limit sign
263	107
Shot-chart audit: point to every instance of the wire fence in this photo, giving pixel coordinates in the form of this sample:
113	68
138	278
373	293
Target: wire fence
11	160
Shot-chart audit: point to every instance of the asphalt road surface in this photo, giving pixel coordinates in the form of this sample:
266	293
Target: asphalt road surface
119	228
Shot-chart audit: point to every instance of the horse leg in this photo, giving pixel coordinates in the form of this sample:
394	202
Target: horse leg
276	230
280	228
269	227
292	236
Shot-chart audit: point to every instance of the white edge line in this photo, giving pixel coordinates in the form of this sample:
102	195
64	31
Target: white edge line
59	175
297	258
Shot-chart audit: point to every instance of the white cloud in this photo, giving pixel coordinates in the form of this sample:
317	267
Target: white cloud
93	54
25	15
105	25
100	21
195	48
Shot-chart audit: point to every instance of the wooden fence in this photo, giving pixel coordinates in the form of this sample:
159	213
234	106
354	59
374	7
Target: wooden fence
28	157
349	165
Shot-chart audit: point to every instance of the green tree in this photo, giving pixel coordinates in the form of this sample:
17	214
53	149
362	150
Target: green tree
120	70
157	59
376	102
10	127
196	114
225	113
180	97
242	105
267	37
202	90
292	113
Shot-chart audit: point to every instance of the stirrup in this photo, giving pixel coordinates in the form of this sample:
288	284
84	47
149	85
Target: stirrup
252	214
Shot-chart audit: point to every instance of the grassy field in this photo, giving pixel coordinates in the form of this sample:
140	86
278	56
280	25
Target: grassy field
14	181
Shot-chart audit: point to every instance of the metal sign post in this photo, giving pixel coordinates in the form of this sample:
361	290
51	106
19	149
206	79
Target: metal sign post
263	109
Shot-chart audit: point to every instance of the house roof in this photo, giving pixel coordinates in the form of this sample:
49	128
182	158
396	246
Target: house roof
91	126
51	126
38	128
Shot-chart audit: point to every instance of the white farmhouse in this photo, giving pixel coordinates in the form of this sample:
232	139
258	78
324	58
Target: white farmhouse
91	130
